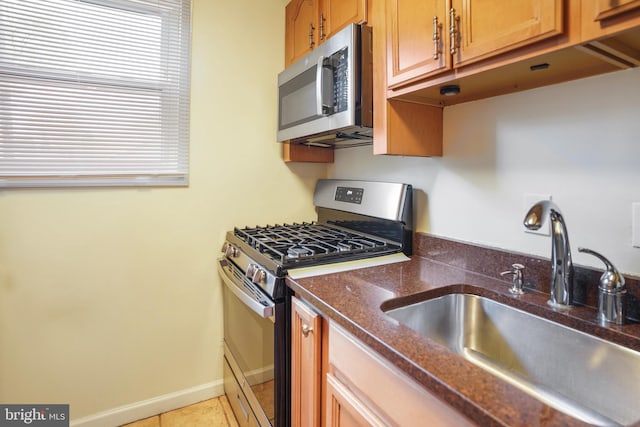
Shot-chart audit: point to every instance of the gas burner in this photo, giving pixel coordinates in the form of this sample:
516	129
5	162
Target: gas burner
343	247
298	251
305	243
348	228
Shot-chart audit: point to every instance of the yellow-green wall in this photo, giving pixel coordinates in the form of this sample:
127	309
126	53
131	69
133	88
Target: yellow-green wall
110	296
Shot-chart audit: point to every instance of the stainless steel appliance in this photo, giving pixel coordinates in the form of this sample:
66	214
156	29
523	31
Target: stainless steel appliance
357	220
326	97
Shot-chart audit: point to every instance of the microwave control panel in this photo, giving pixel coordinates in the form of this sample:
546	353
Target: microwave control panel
340	80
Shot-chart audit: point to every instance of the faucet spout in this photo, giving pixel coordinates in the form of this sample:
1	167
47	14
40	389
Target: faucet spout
561	264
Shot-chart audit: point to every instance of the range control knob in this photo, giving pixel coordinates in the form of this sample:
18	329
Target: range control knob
229	250
256	274
259	277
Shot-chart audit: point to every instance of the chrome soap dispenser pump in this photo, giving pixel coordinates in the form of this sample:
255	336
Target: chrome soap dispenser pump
611	292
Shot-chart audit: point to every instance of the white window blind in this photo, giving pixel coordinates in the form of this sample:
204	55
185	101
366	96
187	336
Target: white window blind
94	92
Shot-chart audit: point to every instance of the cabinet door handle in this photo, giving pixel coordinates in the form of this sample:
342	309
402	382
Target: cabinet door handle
453	30
437	27
306	329
311	28
322	19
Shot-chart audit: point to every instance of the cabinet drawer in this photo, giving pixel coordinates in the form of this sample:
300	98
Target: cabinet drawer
344	409
389	393
237	399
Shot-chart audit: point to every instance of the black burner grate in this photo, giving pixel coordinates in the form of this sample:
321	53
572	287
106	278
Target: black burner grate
311	243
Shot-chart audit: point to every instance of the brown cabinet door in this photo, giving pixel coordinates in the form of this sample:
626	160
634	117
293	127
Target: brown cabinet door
416	39
306	365
609	8
336	14
401	128
301	29
609	17
310	22
484	28
346	410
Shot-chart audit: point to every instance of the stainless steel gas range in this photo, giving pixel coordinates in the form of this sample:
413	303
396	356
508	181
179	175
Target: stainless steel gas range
371	222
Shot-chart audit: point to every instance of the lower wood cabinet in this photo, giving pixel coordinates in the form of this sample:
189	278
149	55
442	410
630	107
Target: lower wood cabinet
365	389
306	365
344	409
337	381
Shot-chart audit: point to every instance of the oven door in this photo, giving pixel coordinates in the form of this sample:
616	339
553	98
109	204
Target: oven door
249	351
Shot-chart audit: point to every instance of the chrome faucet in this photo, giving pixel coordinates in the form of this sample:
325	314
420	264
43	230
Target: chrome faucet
561	265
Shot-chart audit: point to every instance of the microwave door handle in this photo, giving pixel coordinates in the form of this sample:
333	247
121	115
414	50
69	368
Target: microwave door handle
319	87
327	88
324	88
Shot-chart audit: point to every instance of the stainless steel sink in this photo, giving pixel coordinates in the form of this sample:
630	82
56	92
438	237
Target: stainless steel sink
581	375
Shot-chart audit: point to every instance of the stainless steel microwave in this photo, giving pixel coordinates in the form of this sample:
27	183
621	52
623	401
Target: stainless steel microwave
326	97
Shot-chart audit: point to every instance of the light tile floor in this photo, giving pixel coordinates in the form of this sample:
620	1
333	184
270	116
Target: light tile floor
209	413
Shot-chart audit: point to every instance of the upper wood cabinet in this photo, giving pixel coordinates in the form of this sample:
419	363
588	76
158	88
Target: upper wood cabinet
609	8
489	27
306	153
336	14
407	129
426	38
400	128
310	22
301	25
609	17
415	39
484	47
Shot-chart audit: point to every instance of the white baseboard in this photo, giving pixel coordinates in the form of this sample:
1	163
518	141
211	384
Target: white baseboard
150	407
260	375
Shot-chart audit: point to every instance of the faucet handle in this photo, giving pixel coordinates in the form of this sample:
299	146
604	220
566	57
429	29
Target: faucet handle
611	280
611	292
518	278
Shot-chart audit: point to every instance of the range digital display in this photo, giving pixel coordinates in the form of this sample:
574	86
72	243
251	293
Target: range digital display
349	195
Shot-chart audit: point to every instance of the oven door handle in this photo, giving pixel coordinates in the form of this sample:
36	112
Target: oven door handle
264	311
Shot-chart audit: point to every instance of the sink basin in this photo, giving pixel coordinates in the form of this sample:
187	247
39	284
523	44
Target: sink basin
581	375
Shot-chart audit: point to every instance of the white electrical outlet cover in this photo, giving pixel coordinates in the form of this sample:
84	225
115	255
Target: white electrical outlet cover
635	225
530	199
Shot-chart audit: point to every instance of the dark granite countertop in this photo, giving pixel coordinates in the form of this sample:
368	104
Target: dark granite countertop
354	298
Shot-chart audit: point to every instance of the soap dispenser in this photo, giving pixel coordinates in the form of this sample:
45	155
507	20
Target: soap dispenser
611	292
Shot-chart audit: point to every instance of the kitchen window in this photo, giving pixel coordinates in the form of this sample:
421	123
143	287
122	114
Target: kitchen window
94	92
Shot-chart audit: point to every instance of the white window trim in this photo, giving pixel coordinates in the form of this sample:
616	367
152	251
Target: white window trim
173	118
